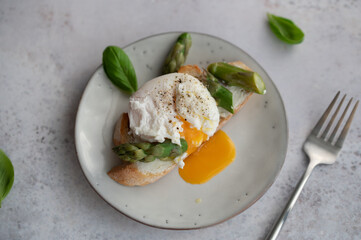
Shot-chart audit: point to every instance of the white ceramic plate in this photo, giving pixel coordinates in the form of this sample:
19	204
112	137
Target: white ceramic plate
259	132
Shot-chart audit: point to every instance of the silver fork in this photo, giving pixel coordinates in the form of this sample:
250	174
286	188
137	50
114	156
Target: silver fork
321	148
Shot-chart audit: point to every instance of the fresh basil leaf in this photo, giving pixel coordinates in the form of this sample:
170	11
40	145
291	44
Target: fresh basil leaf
6	175
285	29
119	69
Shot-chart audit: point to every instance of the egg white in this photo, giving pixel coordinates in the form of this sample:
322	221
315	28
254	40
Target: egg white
154	110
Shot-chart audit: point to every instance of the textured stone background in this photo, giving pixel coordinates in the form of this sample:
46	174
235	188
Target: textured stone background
49	50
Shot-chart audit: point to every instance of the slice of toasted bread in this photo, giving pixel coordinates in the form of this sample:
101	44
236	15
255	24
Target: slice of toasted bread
140	173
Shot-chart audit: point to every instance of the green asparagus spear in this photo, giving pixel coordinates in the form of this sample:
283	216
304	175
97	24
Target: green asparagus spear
148	152
235	76
138	154
161	150
178	54
149	158
143	145
178	150
222	95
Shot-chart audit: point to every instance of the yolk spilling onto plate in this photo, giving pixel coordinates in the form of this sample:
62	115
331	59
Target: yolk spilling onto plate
209	159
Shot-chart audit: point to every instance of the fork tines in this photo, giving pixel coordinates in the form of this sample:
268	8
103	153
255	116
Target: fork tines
323	132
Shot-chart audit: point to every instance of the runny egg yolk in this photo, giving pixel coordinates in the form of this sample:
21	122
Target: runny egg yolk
192	135
206	161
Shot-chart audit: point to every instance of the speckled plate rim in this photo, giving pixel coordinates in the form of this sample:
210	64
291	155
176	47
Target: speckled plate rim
76	142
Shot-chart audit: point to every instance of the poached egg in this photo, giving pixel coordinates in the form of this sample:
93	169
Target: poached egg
176	106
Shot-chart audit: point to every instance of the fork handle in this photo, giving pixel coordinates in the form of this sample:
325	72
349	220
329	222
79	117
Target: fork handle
272	235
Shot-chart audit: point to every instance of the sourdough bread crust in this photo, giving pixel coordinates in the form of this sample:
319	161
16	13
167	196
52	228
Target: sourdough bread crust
129	174
132	174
